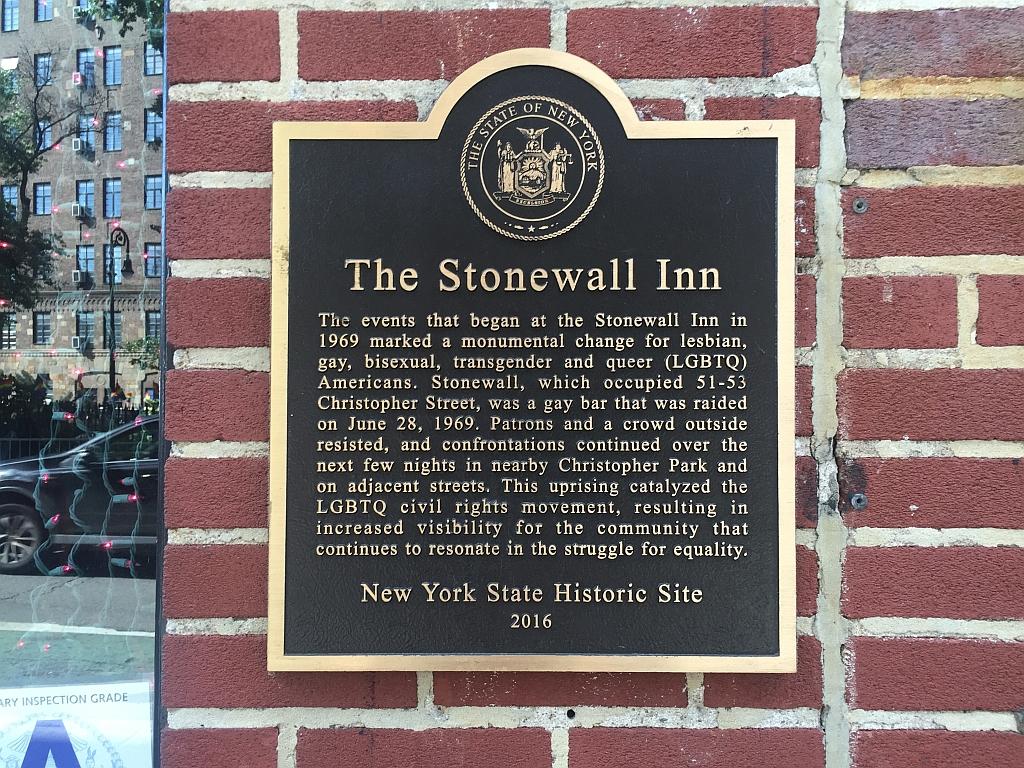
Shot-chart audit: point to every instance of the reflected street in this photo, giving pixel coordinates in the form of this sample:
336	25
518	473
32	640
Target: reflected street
57	630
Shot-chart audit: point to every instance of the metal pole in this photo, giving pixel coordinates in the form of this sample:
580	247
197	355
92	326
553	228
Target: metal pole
110	339
118	239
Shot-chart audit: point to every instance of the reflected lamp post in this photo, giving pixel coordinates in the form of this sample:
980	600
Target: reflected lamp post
118	239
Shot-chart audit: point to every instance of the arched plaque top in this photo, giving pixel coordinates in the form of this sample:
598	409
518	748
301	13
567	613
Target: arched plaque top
530	57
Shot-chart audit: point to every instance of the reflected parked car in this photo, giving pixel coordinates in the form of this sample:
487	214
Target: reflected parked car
100	496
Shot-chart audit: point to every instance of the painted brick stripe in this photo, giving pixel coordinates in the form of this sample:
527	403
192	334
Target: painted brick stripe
966	43
215	493
935	749
473	748
239	572
957	582
894	133
231	671
805	244
232	312
411	45
229	46
553	689
771	691
217	405
693	42
952	675
899	312
934	493
934	221
1000	310
219	748
942	404
207	135
629	748
804	110
218	224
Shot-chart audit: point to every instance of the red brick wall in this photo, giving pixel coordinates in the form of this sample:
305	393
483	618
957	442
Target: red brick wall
910	335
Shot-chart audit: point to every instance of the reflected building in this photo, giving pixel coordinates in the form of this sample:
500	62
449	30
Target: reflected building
108	173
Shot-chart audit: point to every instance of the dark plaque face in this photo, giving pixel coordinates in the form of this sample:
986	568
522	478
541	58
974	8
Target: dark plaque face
532	367
532	167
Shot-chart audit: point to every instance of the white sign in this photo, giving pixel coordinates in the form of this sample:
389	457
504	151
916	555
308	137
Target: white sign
77	726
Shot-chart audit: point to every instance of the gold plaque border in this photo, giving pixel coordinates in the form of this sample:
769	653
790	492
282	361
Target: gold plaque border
783	132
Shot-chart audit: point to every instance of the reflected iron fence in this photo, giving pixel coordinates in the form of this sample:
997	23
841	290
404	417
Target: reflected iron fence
62	425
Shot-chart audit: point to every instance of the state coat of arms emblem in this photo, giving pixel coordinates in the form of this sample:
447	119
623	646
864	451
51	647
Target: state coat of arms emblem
532	168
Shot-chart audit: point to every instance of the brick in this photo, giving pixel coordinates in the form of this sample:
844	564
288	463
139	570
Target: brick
225	312
1000	310
805	244
229	46
218	223
802	689
411	45
237	135
985	493
966	43
660	109
704	748
940	404
219	747
806	111
806	492
896	133
464	748
899	312
934	221
954	582
559	689
693	42
951	675
231	671
203	406
806	581
803	401
215	493
935	749
238	570
806	312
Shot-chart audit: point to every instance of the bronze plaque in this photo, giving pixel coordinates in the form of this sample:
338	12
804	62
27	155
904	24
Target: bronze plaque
532	381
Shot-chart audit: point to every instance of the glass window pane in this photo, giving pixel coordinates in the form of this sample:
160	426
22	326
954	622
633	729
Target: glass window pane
80	424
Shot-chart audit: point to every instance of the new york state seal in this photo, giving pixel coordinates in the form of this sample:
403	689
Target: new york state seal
532	168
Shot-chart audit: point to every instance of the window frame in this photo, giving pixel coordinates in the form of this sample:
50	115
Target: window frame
113	66
113	132
37	316
154	122
79	316
118	263
153	197
88	263
118	329
8	330
153	260
153	60
36	197
46	6
38	59
10	15
112	198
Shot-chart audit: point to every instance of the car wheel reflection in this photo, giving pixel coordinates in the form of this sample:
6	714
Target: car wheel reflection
20	537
